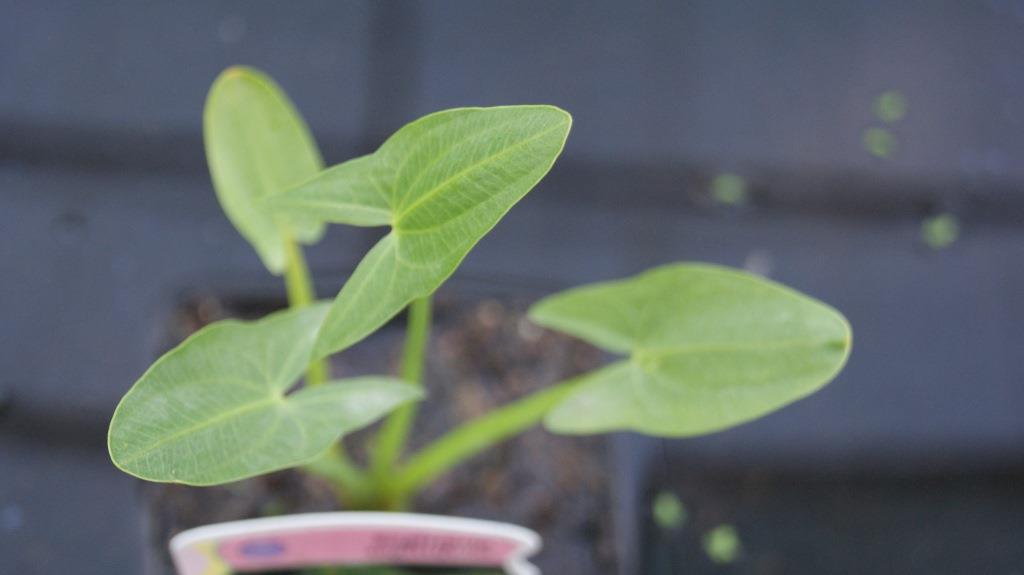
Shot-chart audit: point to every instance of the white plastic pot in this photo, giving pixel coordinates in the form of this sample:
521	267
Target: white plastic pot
342	538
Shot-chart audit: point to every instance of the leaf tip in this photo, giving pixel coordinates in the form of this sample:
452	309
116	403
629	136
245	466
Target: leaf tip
563	116
241	72
536	311
561	112
236	71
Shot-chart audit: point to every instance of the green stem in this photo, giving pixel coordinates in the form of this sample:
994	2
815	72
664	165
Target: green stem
353	485
335	466
391	440
416	336
477	435
299	285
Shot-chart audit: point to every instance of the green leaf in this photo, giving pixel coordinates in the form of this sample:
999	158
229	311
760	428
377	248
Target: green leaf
257	146
216	408
441	183
708	348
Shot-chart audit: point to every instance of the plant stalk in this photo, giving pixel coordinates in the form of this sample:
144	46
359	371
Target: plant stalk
299	285
352	485
394	434
335	465
475	436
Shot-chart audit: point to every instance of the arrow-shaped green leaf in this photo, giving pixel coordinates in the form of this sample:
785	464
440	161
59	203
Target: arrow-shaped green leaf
441	183
257	145
216	408
708	348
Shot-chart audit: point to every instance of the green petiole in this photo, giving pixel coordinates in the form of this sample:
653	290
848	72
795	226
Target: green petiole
299	285
393	435
475	436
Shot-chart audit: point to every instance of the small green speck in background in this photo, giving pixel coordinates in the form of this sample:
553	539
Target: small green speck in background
722	544
890	106
940	231
729	189
668	510
879	142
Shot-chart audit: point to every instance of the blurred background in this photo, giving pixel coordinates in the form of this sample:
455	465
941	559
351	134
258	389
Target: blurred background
868	153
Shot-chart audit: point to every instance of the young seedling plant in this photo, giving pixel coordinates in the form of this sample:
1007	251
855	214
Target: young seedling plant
700	348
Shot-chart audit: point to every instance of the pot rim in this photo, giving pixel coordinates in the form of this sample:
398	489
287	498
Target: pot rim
195	551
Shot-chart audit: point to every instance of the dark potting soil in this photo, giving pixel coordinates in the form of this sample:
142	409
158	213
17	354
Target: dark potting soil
483	353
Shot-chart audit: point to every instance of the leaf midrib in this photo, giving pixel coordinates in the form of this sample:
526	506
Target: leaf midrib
441	154
461	173
687	349
237	411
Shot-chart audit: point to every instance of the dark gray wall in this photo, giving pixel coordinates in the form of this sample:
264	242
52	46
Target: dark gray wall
781	84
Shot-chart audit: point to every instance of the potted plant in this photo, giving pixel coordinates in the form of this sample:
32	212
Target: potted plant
700	348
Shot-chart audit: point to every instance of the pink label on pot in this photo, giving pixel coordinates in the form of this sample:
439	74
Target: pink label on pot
352	539
354	546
